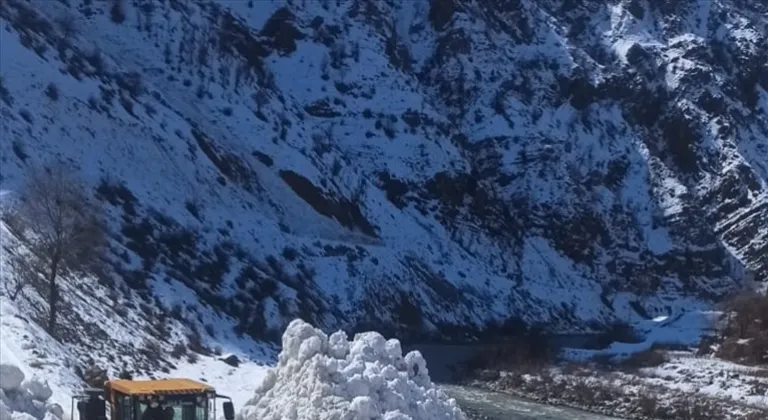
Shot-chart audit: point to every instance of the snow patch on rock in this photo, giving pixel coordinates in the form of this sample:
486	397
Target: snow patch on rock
22	399
11	377
37	388
331	378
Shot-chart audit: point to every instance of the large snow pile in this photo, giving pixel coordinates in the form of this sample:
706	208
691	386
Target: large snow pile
22	399
330	378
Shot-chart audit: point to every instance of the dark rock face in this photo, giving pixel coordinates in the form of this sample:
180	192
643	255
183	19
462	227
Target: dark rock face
658	112
231	360
281	31
444	168
342	210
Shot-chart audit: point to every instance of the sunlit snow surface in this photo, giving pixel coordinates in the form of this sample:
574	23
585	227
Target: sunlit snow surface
330	377
685	329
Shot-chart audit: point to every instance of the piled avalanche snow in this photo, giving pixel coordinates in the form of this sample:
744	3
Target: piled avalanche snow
329	378
25	399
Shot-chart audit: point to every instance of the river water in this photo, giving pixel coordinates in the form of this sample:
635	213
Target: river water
443	363
480	404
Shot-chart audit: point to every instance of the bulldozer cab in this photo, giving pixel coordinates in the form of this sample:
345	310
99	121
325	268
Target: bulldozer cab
162	399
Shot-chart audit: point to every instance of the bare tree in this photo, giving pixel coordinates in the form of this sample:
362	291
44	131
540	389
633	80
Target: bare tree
325	69
62	228
13	283
21	277
13	288
747	313
261	97
68	27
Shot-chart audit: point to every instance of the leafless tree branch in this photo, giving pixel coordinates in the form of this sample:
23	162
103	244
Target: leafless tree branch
61	226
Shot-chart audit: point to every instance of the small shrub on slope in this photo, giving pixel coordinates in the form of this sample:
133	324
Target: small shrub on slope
117	11
745	337
52	92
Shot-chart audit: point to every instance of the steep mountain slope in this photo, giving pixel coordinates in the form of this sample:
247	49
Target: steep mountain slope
439	165
108	331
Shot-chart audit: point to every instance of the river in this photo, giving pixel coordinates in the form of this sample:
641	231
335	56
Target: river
480	404
444	361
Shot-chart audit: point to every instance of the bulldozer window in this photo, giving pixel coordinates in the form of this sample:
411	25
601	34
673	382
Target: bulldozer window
192	411
124	407
176	410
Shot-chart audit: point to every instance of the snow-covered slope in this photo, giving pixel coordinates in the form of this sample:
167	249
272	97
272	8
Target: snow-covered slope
437	165
64	365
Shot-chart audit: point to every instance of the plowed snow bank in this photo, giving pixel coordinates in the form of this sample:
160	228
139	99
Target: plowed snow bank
330	378
25	399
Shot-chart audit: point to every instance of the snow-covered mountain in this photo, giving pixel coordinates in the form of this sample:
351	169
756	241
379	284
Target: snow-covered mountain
438	166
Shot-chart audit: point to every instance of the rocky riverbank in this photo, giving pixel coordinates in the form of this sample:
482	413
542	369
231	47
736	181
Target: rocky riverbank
636	396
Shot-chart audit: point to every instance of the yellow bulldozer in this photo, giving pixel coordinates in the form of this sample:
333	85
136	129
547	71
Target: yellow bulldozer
160	399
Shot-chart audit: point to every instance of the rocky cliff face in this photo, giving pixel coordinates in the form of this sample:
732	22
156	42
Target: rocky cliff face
438	165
